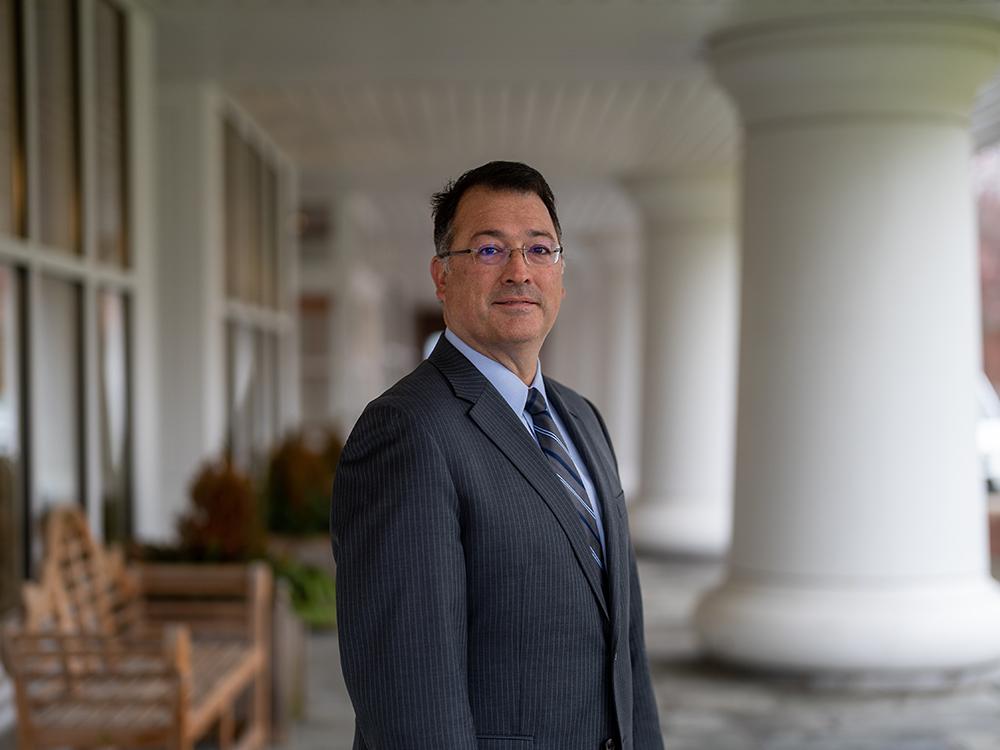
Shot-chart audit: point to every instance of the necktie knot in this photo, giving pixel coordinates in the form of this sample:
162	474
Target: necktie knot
536	405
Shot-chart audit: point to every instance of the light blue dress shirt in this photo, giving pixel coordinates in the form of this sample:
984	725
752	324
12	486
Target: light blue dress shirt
515	393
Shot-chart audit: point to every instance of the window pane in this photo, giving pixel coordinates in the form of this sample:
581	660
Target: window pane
58	386
6	701
11	493
240	356
115	387
111	135
314	352
11	142
274	367
251	253
252	378
234	189
269	238
252	221
266	382
58	150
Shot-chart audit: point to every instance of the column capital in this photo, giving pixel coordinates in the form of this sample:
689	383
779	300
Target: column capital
684	199
884	64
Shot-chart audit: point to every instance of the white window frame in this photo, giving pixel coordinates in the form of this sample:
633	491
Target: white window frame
282	320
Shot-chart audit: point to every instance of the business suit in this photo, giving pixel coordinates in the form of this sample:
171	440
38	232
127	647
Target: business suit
471	611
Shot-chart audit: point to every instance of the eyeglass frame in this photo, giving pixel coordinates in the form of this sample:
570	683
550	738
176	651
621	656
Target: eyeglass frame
557	254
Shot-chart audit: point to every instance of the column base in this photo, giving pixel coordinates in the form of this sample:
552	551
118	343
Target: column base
894	628
681	527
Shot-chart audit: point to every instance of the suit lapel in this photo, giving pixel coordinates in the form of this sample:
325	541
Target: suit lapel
495	418
600	473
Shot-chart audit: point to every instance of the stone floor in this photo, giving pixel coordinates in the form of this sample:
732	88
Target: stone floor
706	707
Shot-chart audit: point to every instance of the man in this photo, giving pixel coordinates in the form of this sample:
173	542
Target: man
487	594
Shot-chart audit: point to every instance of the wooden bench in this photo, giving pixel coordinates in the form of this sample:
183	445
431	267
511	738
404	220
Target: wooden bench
152	656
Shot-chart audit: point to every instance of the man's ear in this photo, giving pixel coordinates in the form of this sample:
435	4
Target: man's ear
439	272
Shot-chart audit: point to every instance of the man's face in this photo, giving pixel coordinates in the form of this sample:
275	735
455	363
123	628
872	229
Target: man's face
499	309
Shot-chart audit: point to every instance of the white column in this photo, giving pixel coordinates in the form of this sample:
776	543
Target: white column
620	324
860	521
584	308
691	278
358	346
601	305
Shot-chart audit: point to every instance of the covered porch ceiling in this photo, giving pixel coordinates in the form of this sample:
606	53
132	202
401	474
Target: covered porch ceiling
392	97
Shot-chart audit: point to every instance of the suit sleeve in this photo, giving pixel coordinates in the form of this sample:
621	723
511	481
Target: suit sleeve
646	732
401	601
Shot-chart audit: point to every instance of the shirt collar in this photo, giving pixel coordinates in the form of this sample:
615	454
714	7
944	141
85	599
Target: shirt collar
507	383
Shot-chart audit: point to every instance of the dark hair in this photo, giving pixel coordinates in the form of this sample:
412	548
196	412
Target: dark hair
511	176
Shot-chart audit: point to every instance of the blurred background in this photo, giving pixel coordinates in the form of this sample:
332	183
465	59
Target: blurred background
782	233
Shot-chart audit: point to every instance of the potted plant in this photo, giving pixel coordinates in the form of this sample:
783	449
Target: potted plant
225	524
297	498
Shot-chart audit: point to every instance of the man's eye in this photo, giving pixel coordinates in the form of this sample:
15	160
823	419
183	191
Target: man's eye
541	250
489	251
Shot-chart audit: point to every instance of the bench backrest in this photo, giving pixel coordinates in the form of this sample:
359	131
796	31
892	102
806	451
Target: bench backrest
83	587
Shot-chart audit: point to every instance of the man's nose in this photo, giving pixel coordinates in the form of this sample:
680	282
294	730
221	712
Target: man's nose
516	268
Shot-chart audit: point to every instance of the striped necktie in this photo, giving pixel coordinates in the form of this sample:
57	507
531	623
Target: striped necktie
554	448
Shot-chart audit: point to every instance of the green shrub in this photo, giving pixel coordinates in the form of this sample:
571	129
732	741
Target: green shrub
313	592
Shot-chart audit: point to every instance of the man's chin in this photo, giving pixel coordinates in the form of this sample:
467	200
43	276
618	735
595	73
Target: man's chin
522	335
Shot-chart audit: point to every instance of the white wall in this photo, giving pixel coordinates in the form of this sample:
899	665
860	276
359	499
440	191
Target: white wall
191	285
146	407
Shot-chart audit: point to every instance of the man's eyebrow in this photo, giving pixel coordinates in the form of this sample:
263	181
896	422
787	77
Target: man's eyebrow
490	233
498	234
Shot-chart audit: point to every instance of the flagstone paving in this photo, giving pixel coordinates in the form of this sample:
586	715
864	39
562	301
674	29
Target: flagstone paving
708	707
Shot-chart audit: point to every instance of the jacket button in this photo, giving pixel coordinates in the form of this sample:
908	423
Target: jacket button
614	658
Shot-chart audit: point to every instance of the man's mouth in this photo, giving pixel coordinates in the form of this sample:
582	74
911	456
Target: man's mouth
515	301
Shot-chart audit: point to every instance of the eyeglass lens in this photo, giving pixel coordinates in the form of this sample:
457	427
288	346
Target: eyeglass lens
537	253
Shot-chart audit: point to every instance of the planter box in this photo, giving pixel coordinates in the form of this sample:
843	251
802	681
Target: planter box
312	549
288	663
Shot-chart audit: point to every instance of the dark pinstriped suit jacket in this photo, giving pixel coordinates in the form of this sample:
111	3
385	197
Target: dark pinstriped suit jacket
470	610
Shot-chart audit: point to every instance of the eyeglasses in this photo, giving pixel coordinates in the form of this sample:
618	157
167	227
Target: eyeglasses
536	254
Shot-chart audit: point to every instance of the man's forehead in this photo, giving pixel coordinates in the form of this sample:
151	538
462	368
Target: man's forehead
482	204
